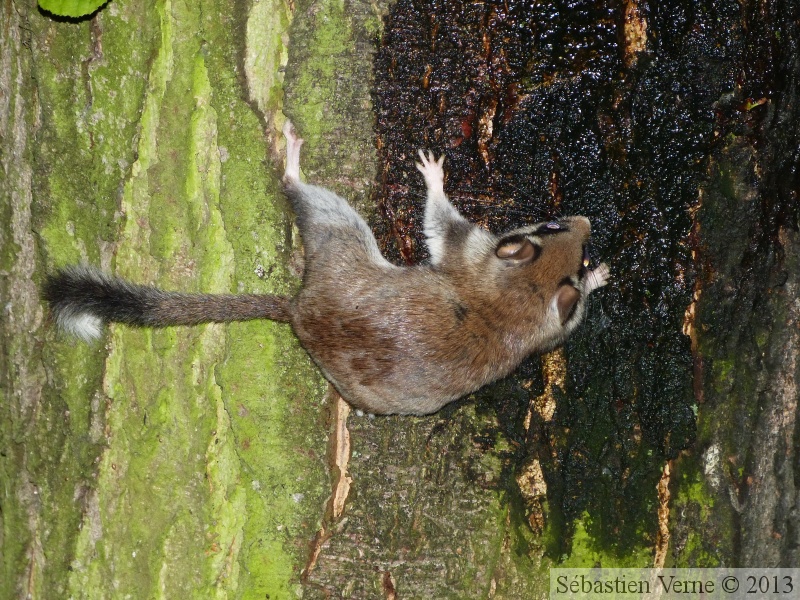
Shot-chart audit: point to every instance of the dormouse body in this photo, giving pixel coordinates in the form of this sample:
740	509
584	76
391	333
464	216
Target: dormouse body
404	340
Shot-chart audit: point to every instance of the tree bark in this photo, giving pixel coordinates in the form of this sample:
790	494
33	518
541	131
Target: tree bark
158	463
211	462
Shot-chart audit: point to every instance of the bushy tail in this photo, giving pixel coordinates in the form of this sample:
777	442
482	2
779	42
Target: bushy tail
82	299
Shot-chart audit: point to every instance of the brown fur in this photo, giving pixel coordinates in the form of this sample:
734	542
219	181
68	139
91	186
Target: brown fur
391	339
409	340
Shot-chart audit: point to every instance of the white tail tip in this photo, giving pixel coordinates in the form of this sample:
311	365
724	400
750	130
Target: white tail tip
83	325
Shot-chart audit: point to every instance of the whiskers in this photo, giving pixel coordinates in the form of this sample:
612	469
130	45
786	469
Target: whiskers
597	319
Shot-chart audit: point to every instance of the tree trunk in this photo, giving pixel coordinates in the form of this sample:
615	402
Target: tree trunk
164	463
210	462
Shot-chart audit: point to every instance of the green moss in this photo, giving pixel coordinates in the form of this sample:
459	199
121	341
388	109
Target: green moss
329	83
92	98
207	431
329	42
701	530
269	387
266	54
88	118
723	371
695	491
695	553
265	388
9	250
762	337
588	551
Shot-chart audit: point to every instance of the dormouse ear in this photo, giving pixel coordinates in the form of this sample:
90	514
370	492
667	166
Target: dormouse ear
517	248
566	299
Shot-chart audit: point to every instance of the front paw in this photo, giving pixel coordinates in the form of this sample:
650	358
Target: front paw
431	169
596	278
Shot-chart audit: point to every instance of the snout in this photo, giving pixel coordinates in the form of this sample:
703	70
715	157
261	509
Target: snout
581	225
